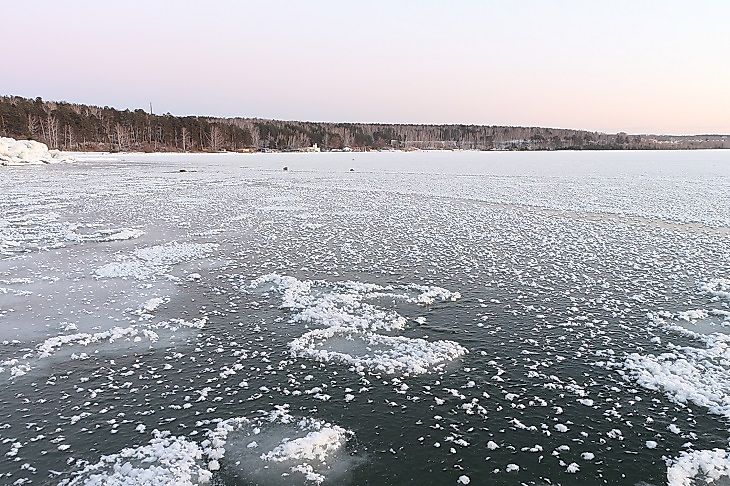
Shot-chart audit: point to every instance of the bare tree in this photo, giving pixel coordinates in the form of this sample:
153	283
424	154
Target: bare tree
216	138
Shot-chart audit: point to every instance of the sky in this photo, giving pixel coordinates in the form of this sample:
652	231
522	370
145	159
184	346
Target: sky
638	66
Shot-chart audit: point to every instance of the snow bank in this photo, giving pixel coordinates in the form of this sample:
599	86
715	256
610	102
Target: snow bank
25	152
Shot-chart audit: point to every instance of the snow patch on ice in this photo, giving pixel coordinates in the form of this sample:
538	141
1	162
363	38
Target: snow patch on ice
165	460
371	352
264	448
351	319
145	263
689	374
708	465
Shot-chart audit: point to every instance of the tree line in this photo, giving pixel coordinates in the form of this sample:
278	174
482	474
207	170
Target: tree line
72	126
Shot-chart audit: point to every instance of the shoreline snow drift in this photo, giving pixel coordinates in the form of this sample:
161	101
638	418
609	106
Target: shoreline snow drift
28	152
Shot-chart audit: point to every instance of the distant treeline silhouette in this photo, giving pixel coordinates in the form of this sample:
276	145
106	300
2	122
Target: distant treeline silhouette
72	126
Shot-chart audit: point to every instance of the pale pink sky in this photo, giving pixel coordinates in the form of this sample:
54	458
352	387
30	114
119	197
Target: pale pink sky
636	66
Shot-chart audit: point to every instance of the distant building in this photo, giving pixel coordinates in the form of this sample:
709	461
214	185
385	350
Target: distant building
313	148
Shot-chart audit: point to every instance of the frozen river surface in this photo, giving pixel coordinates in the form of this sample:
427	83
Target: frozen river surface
424	318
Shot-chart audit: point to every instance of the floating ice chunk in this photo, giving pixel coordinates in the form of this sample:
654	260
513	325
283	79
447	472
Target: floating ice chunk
51	345
312	448
718	287
651	444
688	374
165	460
347	303
131	335
429	295
376	353
707	466
463	479
349	319
151	305
316	445
124	234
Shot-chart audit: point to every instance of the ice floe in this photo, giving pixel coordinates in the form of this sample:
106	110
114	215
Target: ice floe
347	303
371	352
270	446
706	466
351	324
166	460
148	333
697	375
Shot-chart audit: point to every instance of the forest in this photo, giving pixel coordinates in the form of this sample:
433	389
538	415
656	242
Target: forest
78	127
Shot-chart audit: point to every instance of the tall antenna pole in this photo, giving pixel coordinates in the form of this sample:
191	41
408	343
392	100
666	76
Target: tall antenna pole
150	108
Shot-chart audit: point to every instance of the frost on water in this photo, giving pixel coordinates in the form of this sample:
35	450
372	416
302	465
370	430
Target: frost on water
145	263
371	352
271	446
157	311
351	323
692	374
166	460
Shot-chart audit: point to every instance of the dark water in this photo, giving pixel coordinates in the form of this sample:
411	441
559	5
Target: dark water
551	303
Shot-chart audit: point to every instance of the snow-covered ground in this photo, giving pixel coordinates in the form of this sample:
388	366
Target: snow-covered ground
429	317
